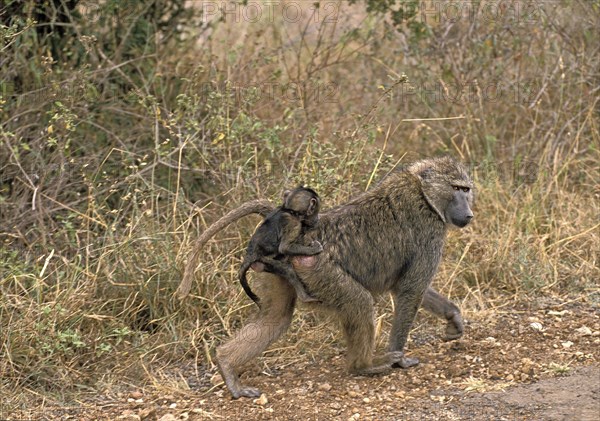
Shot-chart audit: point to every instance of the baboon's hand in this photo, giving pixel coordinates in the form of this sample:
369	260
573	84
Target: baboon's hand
454	328
317	246
246	392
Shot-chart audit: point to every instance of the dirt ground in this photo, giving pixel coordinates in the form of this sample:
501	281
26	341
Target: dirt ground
523	364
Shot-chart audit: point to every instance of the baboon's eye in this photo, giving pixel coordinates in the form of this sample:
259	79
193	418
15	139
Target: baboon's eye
466	189
456	188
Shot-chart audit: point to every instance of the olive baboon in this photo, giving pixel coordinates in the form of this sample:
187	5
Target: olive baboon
388	239
280	236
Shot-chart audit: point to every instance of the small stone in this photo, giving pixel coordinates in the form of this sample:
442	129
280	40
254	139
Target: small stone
567	344
167	417
136	395
262	400
367	400
216	379
352	393
335	405
147	413
354	417
537	326
129	415
324	386
558	313
584	331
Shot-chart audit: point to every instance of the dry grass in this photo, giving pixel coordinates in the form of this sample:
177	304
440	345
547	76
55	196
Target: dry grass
103	192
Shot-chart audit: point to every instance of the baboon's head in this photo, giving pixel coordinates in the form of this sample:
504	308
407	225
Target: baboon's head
303	202
447	188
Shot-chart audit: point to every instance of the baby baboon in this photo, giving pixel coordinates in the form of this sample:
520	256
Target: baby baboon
280	236
389	239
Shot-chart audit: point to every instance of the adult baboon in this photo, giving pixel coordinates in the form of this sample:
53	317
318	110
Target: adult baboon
388	239
280	236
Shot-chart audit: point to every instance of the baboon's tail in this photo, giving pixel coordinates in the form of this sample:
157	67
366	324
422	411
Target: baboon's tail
260	206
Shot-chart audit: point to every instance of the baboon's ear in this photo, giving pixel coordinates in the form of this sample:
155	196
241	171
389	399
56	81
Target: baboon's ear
423	170
426	173
286	193
435	198
430	186
312	205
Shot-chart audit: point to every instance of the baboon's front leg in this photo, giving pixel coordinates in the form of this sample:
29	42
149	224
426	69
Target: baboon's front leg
272	320
440	306
355	307
406	302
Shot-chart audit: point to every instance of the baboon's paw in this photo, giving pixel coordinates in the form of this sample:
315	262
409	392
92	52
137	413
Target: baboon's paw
455	328
406	362
452	336
386	360
395	357
246	392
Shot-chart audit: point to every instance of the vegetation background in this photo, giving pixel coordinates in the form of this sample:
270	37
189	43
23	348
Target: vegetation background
127	127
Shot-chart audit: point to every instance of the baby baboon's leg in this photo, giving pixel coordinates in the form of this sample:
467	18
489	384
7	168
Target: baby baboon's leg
440	306
294	249
272	320
286	271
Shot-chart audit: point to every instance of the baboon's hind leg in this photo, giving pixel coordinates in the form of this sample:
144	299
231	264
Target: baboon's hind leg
442	307
272	320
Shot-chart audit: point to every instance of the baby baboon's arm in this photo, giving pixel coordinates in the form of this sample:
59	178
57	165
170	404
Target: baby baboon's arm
291	243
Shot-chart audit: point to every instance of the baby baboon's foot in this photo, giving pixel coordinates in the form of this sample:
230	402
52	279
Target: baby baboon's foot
305	298
258	266
304	261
